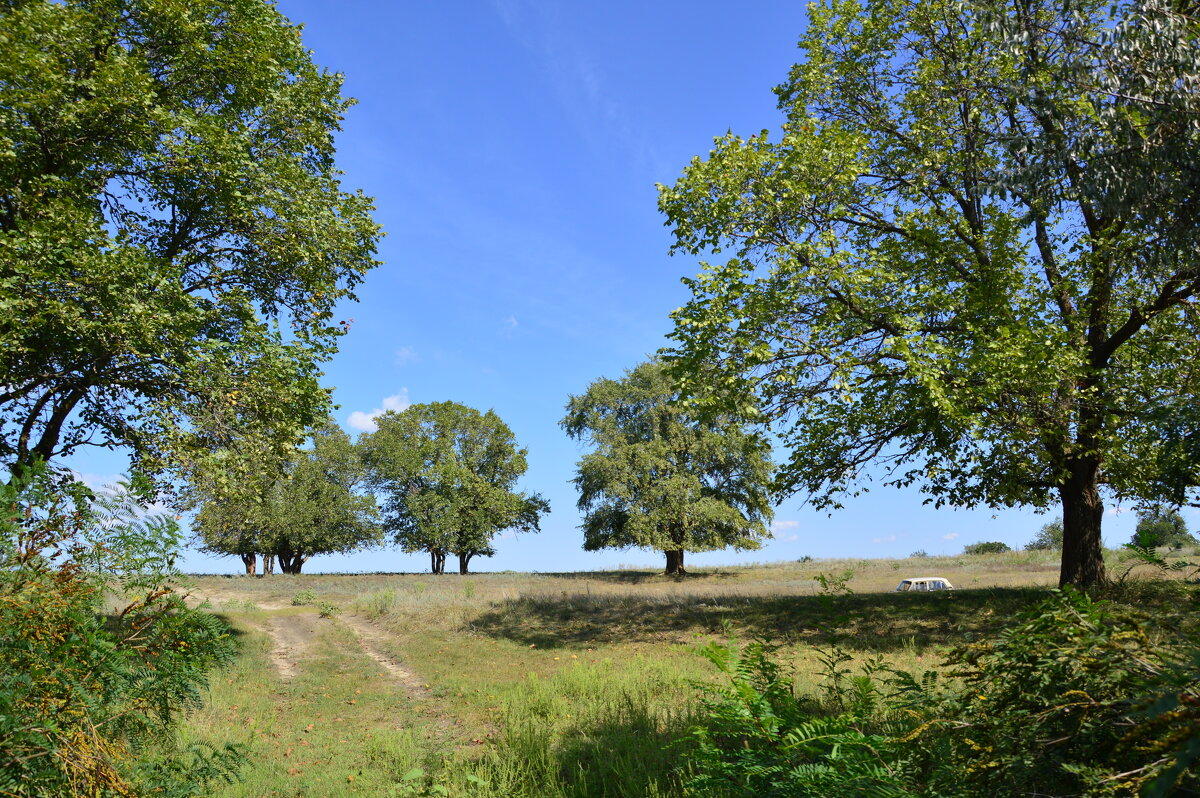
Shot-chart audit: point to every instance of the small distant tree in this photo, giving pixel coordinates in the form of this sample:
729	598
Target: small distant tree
1049	538
987	547
448	474
660	478
1160	527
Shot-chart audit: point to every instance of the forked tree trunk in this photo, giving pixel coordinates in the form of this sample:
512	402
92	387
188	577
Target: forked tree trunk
291	563
463	559
1083	513
437	561
268	564
675	562
251	563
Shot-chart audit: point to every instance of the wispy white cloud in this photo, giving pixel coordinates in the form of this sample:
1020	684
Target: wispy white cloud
366	421
950	536
509	324
888	539
406	355
780	527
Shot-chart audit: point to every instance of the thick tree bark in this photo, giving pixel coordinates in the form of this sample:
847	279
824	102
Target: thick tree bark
251	563
1083	513
268	564
675	562
463	559
437	561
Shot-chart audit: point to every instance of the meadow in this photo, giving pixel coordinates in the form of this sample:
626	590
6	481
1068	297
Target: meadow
551	684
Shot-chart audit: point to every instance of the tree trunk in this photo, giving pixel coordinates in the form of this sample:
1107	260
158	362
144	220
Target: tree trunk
291	563
1083	513
675	562
251	562
437	559
268	564
463	559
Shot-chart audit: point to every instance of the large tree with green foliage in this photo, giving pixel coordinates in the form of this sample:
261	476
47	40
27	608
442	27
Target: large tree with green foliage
448	473
314	503
659	478
967	262
173	234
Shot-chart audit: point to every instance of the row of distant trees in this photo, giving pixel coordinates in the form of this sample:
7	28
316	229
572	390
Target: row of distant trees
441	479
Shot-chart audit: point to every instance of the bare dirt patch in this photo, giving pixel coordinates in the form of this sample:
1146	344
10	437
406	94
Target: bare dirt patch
291	638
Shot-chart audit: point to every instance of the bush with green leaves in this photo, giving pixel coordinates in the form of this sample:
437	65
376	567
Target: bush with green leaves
89	694
304	598
987	547
1078	697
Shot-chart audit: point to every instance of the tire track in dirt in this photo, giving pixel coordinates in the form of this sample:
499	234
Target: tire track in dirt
291	638
369	638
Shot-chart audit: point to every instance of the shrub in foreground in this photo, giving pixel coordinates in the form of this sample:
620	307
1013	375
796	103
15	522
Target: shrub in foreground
89	694
1076	698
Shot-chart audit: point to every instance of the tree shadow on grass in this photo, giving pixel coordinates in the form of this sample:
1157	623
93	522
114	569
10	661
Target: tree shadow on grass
638	577
864	622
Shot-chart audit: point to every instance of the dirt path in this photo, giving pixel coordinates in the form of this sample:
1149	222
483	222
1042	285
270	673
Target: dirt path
369	639
291	638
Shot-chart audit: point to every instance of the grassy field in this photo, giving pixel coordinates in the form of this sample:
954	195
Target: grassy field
574	684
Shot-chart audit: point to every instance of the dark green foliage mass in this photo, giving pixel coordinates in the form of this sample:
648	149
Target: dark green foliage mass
449	473
1162	528
90	692
986	547
660	478
313	501
174	237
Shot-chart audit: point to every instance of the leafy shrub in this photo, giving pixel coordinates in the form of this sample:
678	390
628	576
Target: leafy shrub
88	700
761	740
327	610
304	598
989	547
1076	698
919	554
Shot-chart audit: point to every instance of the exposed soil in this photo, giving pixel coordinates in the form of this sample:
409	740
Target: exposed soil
291	637
369	639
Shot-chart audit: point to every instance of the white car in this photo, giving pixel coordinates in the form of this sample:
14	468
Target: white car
923	584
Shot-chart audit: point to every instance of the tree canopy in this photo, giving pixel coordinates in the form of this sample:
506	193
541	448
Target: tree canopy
662	479
968	261
448	473
1049	537
1161	527
315	503
173	234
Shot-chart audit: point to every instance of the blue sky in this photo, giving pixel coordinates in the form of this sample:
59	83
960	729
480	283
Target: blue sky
513	148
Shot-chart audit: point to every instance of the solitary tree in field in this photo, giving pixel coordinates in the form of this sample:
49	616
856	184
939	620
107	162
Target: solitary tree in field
1159	527
1049	537
658	478
174	236
448	474
968	261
